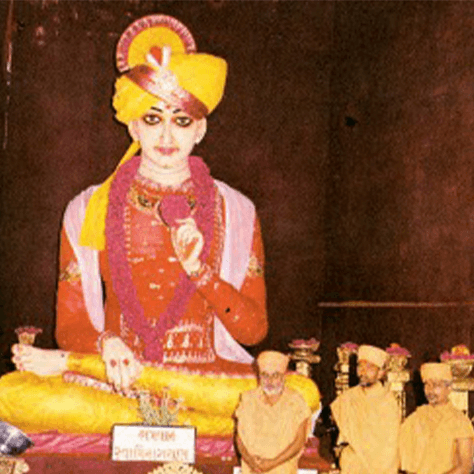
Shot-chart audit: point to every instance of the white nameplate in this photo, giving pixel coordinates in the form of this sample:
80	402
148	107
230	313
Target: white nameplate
154	443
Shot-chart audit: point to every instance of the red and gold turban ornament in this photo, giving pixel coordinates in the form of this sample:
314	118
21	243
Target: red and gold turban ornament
158	60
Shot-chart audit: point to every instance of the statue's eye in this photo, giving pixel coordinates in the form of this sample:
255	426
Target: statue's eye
183	121
151	119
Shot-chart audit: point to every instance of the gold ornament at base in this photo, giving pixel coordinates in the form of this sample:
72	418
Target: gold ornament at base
175	468
11	465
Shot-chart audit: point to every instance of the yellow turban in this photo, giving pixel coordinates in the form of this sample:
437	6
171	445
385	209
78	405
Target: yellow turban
272	361
158	54
373	354
201	76
436	371
158	58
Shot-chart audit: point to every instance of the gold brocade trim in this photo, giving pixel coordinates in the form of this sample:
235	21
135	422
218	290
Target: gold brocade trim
71	272
182	357
86	381
219	234
255	268
154	187
188	343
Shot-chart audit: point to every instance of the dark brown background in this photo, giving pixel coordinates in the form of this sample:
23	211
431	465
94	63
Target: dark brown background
349	124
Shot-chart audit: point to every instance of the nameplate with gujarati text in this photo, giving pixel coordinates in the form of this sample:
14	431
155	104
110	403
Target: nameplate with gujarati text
154	443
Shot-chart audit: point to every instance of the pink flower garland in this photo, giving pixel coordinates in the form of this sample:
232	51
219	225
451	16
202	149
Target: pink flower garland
397	350
350	346
449	356
305	343
121	274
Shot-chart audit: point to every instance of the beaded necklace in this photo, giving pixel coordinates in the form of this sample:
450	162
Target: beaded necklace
132	310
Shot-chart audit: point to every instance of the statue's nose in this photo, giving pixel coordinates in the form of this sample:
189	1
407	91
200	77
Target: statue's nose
167	135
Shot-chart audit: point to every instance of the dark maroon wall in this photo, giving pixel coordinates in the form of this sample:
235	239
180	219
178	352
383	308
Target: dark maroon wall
349	124
399	209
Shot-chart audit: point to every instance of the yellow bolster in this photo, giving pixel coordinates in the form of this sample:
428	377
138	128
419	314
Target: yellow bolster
213	394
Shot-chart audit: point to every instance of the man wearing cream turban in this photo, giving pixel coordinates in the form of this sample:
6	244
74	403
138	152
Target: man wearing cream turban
272	420
368	419
161	266
437	438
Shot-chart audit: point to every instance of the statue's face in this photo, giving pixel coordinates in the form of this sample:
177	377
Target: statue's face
437	391
272	383
167	135
368	373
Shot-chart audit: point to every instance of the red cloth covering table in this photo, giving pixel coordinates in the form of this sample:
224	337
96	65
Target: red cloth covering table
55	453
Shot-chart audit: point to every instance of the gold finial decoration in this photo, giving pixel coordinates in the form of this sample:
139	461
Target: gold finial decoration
460	359
304	354
344	353
397	374
398	357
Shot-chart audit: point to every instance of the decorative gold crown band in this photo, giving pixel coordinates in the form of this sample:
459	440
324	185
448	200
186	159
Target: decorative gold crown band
163	83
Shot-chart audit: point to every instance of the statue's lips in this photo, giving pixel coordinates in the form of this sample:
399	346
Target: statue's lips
166	151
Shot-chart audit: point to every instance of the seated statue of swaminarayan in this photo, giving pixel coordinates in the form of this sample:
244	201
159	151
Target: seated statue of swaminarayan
161	266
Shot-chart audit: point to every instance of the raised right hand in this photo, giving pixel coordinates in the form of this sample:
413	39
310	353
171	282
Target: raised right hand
188	243
121	366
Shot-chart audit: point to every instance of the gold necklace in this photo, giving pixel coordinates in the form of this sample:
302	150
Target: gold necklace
149	204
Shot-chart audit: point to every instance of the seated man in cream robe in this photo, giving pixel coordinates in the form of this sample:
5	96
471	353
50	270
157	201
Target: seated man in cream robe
368	419
272	420
437	438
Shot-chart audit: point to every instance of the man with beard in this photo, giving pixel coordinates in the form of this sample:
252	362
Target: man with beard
437	438
272	420
368	419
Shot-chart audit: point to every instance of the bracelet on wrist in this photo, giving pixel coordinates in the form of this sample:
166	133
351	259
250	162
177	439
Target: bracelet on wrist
204	276
102	338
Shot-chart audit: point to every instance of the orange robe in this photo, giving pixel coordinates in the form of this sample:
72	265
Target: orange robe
428	438
369	422
266	430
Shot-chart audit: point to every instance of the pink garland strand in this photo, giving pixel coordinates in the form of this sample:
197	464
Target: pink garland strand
174	207
122	280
